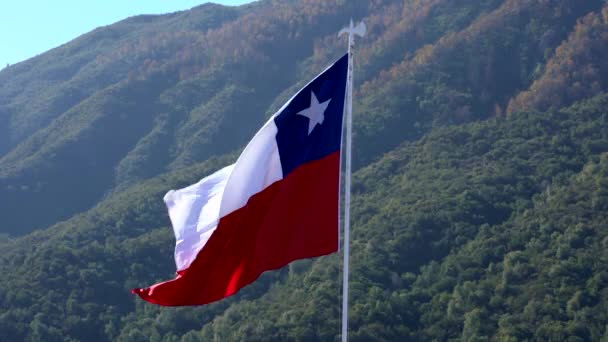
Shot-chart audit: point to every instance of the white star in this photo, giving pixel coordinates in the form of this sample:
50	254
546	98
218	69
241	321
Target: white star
315	113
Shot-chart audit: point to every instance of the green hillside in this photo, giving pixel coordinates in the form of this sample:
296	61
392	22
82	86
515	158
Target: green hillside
480	197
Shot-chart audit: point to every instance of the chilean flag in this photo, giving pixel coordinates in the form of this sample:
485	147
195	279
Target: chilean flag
276	204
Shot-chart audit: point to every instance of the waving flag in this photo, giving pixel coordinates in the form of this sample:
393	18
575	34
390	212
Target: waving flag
276	204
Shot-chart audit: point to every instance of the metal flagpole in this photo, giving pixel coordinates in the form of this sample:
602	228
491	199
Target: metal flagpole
351	31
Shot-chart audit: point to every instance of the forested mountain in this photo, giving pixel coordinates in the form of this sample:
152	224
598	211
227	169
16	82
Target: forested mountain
480	197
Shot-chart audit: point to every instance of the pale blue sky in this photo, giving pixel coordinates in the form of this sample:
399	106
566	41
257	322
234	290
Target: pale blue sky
31	27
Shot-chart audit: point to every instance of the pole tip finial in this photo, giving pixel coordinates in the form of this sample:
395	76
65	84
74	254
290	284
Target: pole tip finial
358	30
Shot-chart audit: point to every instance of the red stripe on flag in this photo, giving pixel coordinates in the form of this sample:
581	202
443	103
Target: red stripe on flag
294	218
